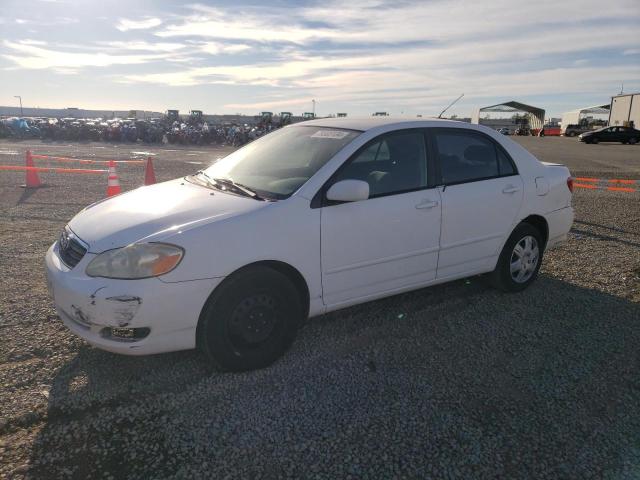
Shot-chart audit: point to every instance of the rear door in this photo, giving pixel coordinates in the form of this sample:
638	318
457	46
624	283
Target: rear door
481	195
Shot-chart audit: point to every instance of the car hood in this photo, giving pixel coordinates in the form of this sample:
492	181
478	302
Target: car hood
154	213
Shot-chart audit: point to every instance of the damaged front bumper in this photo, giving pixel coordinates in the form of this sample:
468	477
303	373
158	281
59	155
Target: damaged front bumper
134	317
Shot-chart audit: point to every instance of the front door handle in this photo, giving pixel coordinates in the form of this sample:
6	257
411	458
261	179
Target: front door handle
510	189
427	204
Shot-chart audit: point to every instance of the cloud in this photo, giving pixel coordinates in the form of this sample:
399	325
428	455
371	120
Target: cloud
125	24
264	25
362	54
46	22
30	56
141	45
218	48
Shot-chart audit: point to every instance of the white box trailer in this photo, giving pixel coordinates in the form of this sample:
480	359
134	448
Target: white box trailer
625	110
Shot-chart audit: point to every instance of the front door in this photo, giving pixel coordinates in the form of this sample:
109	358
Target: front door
609	135
390	241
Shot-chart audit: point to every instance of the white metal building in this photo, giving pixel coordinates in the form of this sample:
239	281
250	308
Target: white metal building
625	110
574	116
535	115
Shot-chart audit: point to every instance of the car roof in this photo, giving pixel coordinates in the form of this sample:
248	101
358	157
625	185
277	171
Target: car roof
367	123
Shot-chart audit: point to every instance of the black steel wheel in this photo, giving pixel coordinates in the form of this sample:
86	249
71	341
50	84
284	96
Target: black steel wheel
250	320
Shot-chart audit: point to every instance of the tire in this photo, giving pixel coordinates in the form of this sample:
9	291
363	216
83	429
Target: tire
250	320
571	134
633	141
594	140
529	239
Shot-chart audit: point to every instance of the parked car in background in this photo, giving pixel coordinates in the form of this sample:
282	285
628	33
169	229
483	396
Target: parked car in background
575	130
612	134
311	218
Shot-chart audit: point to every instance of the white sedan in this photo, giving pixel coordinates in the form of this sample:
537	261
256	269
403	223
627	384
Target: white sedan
310	218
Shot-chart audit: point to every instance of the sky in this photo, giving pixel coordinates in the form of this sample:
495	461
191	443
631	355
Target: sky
355	56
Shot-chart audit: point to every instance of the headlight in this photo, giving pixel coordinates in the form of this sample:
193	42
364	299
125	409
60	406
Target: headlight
138	260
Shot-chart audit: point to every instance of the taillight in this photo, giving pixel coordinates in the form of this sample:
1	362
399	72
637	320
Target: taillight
570	184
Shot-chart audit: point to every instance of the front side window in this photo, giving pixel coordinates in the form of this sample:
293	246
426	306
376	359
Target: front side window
277	164
468	156
392	163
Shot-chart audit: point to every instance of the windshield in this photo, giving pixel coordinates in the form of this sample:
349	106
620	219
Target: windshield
277	164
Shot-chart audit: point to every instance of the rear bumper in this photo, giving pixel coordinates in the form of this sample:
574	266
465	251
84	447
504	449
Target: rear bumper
89	307
559	223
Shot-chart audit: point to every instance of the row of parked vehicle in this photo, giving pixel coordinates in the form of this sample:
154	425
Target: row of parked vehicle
133	130
622	134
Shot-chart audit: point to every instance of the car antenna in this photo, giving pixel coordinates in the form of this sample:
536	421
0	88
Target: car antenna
450	105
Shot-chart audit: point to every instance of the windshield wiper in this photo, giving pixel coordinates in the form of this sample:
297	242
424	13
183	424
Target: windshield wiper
226	184
207	179
237	187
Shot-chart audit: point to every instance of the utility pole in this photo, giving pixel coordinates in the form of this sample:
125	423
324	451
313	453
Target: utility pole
313	103
18	96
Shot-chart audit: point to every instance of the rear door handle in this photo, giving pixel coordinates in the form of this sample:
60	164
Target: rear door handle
510	189
427	204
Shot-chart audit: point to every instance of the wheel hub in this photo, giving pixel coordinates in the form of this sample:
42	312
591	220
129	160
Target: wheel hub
254	319
524	259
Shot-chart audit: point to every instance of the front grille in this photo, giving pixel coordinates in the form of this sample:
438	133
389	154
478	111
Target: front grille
71	250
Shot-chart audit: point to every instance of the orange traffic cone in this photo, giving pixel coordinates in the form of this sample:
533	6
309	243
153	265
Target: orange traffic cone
113	184
149	174
32	180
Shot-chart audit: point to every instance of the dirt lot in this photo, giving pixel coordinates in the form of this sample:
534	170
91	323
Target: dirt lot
454	381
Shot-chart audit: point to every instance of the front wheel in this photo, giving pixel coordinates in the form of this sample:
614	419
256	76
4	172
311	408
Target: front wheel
520	260
250	320
633	141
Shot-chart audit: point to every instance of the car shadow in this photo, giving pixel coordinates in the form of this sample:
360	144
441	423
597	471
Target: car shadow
453	378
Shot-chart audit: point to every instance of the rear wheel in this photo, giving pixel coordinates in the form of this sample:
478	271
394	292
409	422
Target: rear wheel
250	320
633	140
519	260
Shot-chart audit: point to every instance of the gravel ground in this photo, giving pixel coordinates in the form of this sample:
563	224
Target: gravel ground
453	381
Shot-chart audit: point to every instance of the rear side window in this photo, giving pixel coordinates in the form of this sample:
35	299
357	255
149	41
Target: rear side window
505	167
469	156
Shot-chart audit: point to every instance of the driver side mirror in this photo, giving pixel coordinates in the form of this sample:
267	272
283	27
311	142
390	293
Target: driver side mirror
348	191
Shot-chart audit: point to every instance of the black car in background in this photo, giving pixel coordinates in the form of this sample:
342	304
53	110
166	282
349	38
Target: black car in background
611	134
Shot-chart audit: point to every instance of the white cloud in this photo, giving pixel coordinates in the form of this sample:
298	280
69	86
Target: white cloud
142	46
31	56
266	25
217	48
364	53
125	24
48	22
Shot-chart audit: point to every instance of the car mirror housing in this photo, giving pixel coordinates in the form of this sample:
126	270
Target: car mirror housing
348	191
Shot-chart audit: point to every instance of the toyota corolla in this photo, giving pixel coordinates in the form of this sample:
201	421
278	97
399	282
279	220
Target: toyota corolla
311	218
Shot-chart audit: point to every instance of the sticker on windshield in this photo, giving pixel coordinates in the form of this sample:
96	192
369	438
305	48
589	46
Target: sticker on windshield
335	134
